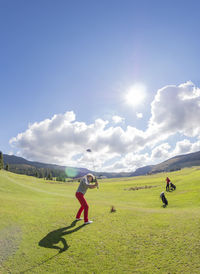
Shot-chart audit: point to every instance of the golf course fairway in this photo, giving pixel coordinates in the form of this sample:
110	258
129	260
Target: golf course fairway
39	233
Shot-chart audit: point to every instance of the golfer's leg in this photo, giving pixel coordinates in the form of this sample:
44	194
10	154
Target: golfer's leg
86	207
79	197
86	213
78	215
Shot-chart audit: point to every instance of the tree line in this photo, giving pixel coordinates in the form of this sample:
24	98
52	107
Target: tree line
1	161
46	173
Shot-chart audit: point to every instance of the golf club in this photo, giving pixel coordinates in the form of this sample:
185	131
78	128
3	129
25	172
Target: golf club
90	151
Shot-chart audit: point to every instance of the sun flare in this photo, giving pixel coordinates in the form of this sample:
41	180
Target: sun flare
135	94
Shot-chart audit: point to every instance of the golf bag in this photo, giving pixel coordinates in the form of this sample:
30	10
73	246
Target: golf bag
164	199
172	186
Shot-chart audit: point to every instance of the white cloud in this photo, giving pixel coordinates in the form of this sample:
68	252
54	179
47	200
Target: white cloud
117	119
176	109
161	152
130	162
164	151
186	146
63	140
196	146
139	115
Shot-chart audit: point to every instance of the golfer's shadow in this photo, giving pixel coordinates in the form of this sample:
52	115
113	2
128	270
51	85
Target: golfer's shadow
54	237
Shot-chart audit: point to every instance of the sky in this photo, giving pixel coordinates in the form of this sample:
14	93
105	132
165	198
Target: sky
120	78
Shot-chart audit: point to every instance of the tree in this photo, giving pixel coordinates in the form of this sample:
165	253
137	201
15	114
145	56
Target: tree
1	161
40	173
49	176
7	167
60	179
37	173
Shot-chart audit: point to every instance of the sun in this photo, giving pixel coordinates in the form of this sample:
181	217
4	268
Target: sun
135	94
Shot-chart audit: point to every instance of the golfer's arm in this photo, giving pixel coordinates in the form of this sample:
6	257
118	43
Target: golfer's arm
93	186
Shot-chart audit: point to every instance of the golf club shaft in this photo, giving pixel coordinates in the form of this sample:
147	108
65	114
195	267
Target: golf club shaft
95	175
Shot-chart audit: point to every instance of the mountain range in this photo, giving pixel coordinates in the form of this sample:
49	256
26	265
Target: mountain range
23	166
176	163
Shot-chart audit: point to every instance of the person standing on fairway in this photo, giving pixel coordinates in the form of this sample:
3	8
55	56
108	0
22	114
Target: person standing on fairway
167	185
83	187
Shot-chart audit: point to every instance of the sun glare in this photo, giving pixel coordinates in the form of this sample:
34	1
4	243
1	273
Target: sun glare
135	94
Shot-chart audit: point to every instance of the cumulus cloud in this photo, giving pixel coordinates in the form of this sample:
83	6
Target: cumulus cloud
164	151
117	119
63	140
186	146
161	152
176	109
139	115
182	147
130	162
56	139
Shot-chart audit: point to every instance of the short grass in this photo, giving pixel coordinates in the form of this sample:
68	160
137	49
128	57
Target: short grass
38	233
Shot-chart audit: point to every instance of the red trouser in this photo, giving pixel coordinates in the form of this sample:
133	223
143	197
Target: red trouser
84	206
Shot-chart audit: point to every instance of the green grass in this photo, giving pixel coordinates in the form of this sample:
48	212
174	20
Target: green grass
141	237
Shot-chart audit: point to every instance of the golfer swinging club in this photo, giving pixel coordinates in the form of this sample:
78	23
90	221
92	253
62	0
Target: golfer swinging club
84	185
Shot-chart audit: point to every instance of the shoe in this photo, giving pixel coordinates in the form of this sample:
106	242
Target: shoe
79	219
88	222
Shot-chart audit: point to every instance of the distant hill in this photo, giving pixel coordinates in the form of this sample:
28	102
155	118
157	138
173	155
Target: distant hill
172	164
178	162
142	171
23	166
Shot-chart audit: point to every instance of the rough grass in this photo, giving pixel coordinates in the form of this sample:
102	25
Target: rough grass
39	235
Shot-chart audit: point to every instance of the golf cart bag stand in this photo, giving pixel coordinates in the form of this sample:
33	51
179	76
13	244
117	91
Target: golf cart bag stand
172	186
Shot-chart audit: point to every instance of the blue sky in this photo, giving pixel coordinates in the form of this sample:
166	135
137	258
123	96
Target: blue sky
76	60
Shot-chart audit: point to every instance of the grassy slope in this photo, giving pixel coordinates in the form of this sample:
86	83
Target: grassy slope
141	237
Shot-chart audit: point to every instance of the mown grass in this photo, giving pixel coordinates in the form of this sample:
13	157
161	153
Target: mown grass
141	237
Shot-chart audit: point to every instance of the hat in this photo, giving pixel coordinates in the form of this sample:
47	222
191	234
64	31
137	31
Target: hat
91	175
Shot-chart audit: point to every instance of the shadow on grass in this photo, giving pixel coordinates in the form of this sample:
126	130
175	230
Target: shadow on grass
52	239
33	267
